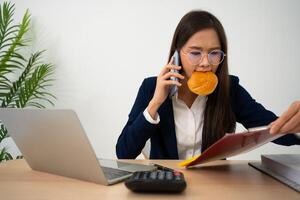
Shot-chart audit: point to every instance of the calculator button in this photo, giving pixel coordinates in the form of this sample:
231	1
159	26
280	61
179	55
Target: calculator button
145	175
169	175
177	176
153	175
161	175
137	175
176	173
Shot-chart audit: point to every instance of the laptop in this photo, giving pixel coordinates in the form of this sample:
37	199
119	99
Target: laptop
54	141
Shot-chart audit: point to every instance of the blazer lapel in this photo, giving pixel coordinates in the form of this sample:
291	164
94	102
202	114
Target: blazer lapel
168	126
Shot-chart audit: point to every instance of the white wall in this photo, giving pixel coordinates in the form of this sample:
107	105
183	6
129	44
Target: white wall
103	49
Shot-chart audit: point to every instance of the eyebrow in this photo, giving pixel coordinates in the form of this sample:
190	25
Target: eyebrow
199	48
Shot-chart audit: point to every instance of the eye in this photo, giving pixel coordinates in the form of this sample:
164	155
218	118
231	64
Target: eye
195	53
215	53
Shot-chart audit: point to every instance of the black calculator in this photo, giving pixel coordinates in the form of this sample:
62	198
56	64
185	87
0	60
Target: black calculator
163	181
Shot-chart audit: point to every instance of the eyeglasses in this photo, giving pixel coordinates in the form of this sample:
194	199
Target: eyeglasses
214	57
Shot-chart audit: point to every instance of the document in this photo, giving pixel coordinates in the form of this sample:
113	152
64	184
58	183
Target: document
232	144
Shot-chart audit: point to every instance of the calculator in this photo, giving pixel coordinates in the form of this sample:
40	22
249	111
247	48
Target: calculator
163	181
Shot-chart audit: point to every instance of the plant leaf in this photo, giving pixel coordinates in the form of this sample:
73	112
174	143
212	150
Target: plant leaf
17	40
3	132
4	155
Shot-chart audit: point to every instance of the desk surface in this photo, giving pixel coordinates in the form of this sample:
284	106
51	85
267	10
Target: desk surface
216	180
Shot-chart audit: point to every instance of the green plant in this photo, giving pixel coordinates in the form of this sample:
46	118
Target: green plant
23	82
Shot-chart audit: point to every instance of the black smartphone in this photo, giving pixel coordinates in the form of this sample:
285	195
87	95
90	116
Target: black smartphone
176	61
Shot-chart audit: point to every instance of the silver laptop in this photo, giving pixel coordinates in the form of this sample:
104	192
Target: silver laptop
54	141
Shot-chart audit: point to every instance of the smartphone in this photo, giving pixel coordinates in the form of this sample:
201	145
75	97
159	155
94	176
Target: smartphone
176	61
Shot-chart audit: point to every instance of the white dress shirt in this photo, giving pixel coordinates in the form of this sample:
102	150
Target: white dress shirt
188	125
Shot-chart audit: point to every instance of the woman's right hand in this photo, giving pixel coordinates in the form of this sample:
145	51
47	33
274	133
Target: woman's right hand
162	88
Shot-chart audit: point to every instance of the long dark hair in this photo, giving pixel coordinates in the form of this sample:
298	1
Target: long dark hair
218	115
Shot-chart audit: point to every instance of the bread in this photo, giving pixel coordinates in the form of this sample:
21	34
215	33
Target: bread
203	83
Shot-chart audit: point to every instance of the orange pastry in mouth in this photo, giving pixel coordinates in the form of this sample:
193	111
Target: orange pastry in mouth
203	83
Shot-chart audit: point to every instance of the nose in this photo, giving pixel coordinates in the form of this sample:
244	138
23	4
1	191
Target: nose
204	64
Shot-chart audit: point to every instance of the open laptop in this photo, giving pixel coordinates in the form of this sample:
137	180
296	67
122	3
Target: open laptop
54	141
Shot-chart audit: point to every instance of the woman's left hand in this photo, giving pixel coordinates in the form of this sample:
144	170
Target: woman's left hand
288	122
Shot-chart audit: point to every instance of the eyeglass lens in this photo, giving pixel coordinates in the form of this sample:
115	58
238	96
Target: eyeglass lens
214	57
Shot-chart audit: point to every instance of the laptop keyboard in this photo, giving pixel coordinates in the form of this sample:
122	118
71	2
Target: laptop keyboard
112	173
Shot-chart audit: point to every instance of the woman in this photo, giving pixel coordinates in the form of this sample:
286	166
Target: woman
187	124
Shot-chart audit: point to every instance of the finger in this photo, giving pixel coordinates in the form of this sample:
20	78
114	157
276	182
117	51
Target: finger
297	130
292	124
283	119
172	82
271	124
167	68
172	74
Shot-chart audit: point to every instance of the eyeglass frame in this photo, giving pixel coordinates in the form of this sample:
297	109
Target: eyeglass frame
206	54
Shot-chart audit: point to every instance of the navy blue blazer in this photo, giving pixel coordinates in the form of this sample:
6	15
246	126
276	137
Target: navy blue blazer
163	138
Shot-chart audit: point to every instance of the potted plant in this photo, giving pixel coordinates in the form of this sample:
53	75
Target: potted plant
23	81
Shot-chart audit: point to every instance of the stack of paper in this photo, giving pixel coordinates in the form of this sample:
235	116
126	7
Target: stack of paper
283	167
